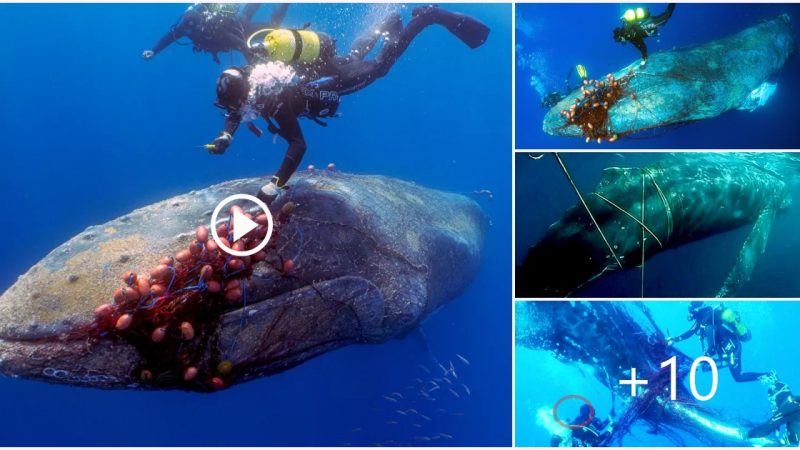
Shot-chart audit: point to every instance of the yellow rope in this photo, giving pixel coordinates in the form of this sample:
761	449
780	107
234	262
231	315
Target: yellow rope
586	207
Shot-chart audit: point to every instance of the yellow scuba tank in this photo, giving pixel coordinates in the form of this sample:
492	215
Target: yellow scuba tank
288	45
731	318
581	71
636	15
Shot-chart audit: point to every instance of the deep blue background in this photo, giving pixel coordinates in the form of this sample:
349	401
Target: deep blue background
542	380
562	35
693	270
91	131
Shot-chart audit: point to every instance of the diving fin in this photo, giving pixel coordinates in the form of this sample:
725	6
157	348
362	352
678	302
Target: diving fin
469	30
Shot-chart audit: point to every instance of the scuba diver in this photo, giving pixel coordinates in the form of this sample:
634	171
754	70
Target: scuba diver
586	432
215	28
786	411
721	334
638	24
247	93
554	97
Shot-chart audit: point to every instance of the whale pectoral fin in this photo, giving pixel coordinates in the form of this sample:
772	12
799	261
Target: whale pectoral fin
280	332
758	97
753	247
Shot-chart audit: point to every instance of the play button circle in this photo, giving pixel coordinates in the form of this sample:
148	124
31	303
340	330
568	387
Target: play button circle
241	225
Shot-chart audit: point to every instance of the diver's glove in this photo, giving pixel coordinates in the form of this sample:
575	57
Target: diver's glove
148	54
220	144
269	192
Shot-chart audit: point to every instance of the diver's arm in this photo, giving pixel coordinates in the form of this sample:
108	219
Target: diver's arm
174	33
566	81
289	129
232	122
223	141
687	334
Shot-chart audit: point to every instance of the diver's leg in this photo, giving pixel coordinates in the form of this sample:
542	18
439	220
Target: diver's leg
469	30
736	369
359	74
249	11
662	18
639	44
278	14
391	26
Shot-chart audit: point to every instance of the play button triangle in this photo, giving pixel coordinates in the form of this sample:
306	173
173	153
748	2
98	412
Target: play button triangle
241	225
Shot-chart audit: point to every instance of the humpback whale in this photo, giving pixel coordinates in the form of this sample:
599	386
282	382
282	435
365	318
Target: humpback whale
610	337
372	256
638	212
679	86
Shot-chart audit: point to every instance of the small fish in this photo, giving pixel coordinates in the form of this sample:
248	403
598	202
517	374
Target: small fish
422	438
396	394
447	380
400	411
424	369
464	360
416	425
445	435
441	410
455	394
466	389
390	399
537	157
444	370
356	430
412	411
435	388
426	418
391	422
453	370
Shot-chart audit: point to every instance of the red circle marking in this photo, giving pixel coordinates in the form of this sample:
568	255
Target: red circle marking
580	425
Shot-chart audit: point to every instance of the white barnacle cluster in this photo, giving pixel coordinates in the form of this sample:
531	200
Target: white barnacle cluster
265	80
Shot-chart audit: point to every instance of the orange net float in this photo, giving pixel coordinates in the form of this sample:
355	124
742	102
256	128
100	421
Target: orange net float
169	313
590	112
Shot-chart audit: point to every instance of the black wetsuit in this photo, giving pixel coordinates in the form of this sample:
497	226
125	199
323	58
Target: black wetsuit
215	29
346	75
787	412
721	342
636	32
594	434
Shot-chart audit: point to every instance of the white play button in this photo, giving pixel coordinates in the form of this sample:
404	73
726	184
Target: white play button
241	225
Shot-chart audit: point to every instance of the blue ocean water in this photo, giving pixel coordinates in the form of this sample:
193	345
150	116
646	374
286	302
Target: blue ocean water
541	379
697	269
91	131
554	37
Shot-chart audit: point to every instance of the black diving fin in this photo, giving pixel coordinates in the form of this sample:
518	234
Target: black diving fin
467	29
